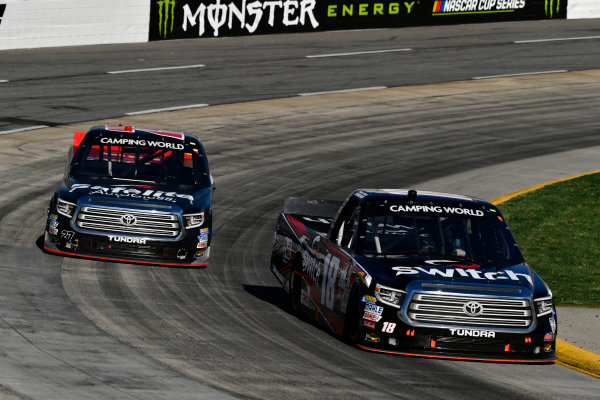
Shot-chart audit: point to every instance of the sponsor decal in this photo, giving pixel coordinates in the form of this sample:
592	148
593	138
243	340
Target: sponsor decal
125	239
372	337
369	299
202	245
278	275
53	217
552	322
548	347
204	230
199	254
371	317
548	337
435	209
53	230
305	299
369	324
476	6
142	142
53	224
311	267
372	308
472	333
465	273
132	192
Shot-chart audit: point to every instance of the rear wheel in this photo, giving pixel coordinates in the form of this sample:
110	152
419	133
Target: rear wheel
295	287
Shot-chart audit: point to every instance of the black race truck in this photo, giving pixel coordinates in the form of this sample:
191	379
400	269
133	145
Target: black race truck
414	273
133	195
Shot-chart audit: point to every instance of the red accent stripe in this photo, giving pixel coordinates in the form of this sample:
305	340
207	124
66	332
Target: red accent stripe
77	140
204	264
457	358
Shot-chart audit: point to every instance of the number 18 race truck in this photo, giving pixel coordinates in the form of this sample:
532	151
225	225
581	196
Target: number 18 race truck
414	273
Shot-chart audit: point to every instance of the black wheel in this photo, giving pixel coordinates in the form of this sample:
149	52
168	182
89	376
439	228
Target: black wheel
353	330
295	287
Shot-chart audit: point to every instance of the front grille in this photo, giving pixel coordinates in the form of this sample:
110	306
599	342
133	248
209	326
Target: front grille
128	222
469	311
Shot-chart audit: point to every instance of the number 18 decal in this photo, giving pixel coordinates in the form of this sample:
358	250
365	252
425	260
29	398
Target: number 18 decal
388	327
330	271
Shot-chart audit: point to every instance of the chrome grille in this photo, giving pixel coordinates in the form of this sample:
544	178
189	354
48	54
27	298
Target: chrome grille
452	310
114	221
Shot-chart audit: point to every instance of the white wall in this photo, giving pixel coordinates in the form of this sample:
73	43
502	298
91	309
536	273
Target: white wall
583	9
49	23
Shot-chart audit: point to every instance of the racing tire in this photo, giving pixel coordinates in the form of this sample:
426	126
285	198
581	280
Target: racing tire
295	288
353	330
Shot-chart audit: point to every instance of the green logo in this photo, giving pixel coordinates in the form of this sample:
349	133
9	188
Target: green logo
552	7
166	17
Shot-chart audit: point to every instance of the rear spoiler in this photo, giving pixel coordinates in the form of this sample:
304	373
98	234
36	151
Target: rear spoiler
315	214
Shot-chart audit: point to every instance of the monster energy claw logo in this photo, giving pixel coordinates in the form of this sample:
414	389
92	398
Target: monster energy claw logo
166	17
552	8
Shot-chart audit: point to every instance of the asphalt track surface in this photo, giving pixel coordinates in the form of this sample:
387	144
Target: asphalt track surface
76	329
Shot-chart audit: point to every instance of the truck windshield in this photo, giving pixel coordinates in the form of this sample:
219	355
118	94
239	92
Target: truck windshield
425	231
157	164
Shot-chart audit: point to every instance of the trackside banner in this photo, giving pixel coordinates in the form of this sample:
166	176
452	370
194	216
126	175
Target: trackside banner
178	19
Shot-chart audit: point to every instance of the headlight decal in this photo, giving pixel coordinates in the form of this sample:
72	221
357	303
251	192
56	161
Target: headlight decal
193	220
389	296
543	306
65	208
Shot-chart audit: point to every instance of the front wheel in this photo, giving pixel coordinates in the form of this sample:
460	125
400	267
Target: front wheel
353	330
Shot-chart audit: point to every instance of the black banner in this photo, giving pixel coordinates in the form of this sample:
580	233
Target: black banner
2	9
178	19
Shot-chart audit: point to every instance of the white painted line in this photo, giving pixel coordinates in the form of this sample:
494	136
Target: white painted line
3	81
357	53
343	91
156	69
522	74
29	128
556	39
167	109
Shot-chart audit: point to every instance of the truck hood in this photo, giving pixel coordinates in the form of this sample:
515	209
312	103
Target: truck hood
450	271
186	197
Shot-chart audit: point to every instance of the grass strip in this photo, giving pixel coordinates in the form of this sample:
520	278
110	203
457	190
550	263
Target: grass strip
558	229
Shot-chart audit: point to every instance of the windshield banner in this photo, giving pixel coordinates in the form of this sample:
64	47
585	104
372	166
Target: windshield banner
180	19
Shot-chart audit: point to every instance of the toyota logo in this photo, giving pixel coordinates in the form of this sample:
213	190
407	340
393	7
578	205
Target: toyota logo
473	308
128	219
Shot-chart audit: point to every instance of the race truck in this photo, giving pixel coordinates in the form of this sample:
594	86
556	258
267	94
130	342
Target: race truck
133	195
414	273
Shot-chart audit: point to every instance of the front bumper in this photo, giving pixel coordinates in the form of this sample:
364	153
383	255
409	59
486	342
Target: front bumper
439	343
61	238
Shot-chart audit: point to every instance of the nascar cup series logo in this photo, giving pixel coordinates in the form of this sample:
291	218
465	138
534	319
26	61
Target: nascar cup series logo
453	7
